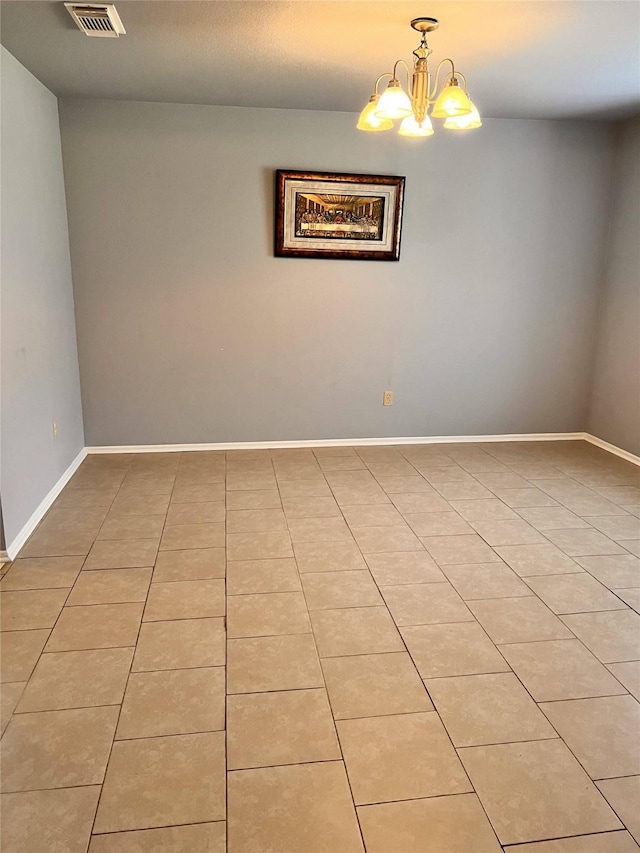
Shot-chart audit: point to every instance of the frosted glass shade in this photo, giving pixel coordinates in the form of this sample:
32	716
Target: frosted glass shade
465	122
394	102
451	102
410	127
369	121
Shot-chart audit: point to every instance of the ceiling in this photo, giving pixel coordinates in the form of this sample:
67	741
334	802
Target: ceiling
523	59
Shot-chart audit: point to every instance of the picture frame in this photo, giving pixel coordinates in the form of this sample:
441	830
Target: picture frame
338	215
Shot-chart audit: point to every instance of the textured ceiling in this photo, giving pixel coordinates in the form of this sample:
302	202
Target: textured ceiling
531	58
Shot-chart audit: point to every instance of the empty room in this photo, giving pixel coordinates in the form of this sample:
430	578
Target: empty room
320	426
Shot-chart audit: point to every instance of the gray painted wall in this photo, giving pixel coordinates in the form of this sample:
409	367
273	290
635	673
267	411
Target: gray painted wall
189	330
40	380
615	403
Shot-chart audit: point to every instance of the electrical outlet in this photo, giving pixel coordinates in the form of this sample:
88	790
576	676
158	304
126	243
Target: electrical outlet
387	398
54	426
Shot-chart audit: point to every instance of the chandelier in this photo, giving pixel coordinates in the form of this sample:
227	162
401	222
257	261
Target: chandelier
452	104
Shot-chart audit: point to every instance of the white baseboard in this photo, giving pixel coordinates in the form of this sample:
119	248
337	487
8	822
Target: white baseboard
338	442
611	448
14	547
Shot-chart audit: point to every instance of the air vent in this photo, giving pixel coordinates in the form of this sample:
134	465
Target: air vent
99	21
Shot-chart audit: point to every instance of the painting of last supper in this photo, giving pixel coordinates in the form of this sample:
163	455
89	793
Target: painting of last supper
325	215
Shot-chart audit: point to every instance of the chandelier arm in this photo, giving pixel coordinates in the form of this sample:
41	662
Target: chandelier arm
437	77
386	74
406	68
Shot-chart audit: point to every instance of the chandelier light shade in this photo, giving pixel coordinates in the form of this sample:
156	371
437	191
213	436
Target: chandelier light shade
369	121
412	110
466	122
410	127
394	103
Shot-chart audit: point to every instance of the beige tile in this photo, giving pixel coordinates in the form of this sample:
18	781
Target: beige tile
486	580
85	520
355	631
518	620
47	542
173	702
552	518
77	680
516	532
560	669
162	781
484	709
191	565
197	838
409	484
536	790
618	571
404	567
182	644
437	523
531	560
241	481
42	573
525	497
261	664
630	597
330	590
110	586
34	608
421	501
9	697
602	733
258	546
628	673
425	604
618	527
455	824
57	749
583	543
185	600
633	546
461	648
374	685
267	614
98	626
372	515
314	488
252	576
319	530
463	491
255	520
484	510
574	593
77	498
290	727
624	796
197	493
56	821
457	550
19	651
132	527
502	480
134	504
300	807
198	513
364	493
400	757
129	554
603	842
328	557
147	485
612	636
265	499
376	540
311	507
180	537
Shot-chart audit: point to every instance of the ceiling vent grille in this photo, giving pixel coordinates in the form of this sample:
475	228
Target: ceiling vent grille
99	21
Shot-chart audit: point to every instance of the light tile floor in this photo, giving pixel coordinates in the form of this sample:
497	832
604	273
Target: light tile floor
419	649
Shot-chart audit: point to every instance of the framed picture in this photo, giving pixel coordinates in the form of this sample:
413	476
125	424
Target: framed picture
332	215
